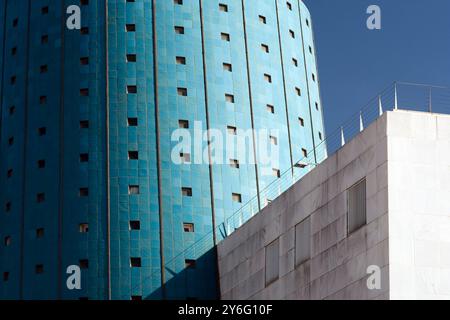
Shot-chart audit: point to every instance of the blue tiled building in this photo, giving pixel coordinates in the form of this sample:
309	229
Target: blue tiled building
87	175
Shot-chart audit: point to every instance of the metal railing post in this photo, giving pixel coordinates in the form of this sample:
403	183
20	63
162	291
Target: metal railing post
361	122
380	106
430	104
395	97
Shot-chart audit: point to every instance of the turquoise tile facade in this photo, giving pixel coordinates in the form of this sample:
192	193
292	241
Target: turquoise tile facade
87	117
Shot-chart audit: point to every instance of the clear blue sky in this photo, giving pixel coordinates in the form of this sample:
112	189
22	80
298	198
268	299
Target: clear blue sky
356	63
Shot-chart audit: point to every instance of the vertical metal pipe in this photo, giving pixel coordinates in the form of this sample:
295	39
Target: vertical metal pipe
208	125
25	148
61	156
307	86
284	88
251	104
108	156
158	150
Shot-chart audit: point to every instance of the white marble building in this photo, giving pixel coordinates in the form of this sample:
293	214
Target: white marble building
382	200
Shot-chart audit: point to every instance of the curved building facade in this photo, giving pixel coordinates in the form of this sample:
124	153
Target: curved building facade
88	175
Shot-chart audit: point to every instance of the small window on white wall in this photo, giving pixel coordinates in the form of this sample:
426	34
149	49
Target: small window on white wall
357	217
272	262
303	242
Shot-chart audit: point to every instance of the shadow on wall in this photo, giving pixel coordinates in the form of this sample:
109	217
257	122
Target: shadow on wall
197	281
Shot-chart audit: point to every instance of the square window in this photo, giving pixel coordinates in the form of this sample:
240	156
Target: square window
228	67
179	30
8	206
15	22
135	225
40	197
39	269
5	276
181	60
9	174
84	124
186	192
356	211
273	140
188	227
305	153
43	68
134	190
289	5
131	89
178	2
133	155
12	110
83	192
262	19
84	61
42	100
7	241
84	31
40	233
185	158
44	10
84	157
83	228
135	262
190	264
268	78
270	108
229	98
14	51
301	121
183	124
130	27
41	164
183	92
295	62
225	36
236	197
265	48
232	130
298	91
276	173
84	92
132	122
234	163
292	33
131	58
84	264
223	7
44	39
42	131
